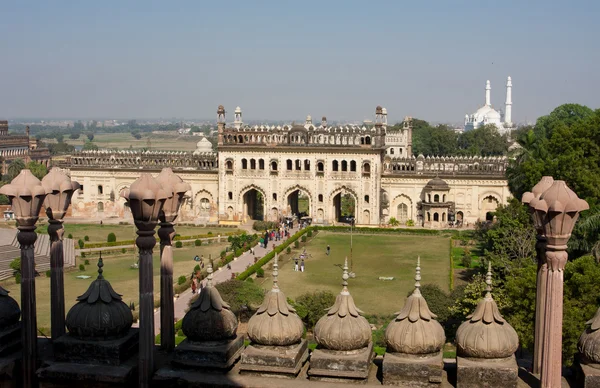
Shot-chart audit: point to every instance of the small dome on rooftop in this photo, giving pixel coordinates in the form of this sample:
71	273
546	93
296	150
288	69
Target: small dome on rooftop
437	183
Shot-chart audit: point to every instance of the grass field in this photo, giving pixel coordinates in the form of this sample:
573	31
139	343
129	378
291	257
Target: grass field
98	233
374	256
116	270
165	142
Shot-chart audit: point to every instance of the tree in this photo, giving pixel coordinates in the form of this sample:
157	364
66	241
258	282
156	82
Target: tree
311	306
37	169
75	135
483	141
59	138
90	146
14	168
90	136
78	125
136	134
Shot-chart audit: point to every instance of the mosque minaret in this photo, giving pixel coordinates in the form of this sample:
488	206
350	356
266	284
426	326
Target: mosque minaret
488	115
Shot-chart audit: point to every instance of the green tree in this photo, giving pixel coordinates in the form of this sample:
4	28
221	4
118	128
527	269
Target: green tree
37	169
311	306
136	134
483	141
75	135
90	136
90	146
14	168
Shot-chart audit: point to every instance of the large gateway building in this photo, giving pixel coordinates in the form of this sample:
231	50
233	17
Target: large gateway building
264	172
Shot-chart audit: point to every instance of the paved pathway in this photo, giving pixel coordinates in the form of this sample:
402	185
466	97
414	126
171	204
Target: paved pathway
223	274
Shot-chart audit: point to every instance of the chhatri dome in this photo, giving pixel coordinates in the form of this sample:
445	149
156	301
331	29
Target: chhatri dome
488	115
203	146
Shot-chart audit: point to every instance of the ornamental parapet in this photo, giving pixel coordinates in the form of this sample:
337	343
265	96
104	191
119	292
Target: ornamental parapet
142	159
442	165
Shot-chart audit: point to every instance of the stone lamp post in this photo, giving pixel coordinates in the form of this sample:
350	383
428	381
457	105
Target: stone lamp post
175	187
60	189
557	209
540	247
146	198
26	195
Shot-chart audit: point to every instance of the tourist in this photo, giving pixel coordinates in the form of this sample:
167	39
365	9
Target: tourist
328	250
193	284
302	266
196	258
296	264
262	242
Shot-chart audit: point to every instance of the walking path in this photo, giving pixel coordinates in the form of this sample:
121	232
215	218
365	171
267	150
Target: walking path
221	275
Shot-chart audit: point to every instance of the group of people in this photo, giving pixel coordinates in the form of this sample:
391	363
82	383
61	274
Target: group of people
280	233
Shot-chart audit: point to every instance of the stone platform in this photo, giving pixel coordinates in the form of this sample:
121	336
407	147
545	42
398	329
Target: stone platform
588	374
65	374
413	370
494	372
109	352
218	355
274	360
332	365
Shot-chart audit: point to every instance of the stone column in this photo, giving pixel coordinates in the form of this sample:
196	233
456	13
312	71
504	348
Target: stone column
57	282
26	195
167	308
146	199
540	247
556	210
145	243
26	238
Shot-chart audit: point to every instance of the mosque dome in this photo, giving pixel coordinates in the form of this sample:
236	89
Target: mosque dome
209	317
486	334
415	330
589	342
9	310
100	312
343	327
487	112
437	183
275	323
203	146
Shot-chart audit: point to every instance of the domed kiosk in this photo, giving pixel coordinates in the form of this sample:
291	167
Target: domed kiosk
414	343
275	332
435	205
486	346
100	345
343	335
211	329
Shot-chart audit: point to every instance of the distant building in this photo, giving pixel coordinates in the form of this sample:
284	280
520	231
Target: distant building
23	147
488	115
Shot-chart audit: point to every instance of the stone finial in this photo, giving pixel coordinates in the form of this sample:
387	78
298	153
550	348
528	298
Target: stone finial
100	312
589	342
175	188
26	195
9	310
415	330
275	322
146	198
486	334
343	327
60	189
209	318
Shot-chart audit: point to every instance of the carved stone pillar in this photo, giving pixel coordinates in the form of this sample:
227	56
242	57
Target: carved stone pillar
57	282
26	238
146	242
167	308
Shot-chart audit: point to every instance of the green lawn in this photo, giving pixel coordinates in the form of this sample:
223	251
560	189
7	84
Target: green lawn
116	270
374	256
457	254
164	142
98	233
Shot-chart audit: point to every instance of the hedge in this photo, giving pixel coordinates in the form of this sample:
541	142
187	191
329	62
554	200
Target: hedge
278	249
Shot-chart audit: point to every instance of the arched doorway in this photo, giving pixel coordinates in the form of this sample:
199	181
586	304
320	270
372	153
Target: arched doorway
298	203
100	207
344	205
254	205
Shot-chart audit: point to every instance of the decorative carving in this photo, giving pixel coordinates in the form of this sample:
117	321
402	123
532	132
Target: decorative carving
275	323
415	330
343	327
486	334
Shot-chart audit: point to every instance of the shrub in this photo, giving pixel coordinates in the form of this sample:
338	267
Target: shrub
48	273
86	262
309	233
197	268
111	237
260	273
178	244
241	296
80	243
209	233
82	255
288	250
264	225
70	236
18	278
410	223
303	238
223	254
310	306
238	252
181	280
15	265
86	238
123	250
466	259
250	280
198	242
394	222
81	267
296	244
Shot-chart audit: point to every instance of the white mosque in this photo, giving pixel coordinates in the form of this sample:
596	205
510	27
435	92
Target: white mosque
488	115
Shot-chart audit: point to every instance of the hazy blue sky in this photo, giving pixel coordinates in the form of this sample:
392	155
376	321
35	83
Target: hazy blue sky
286	59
